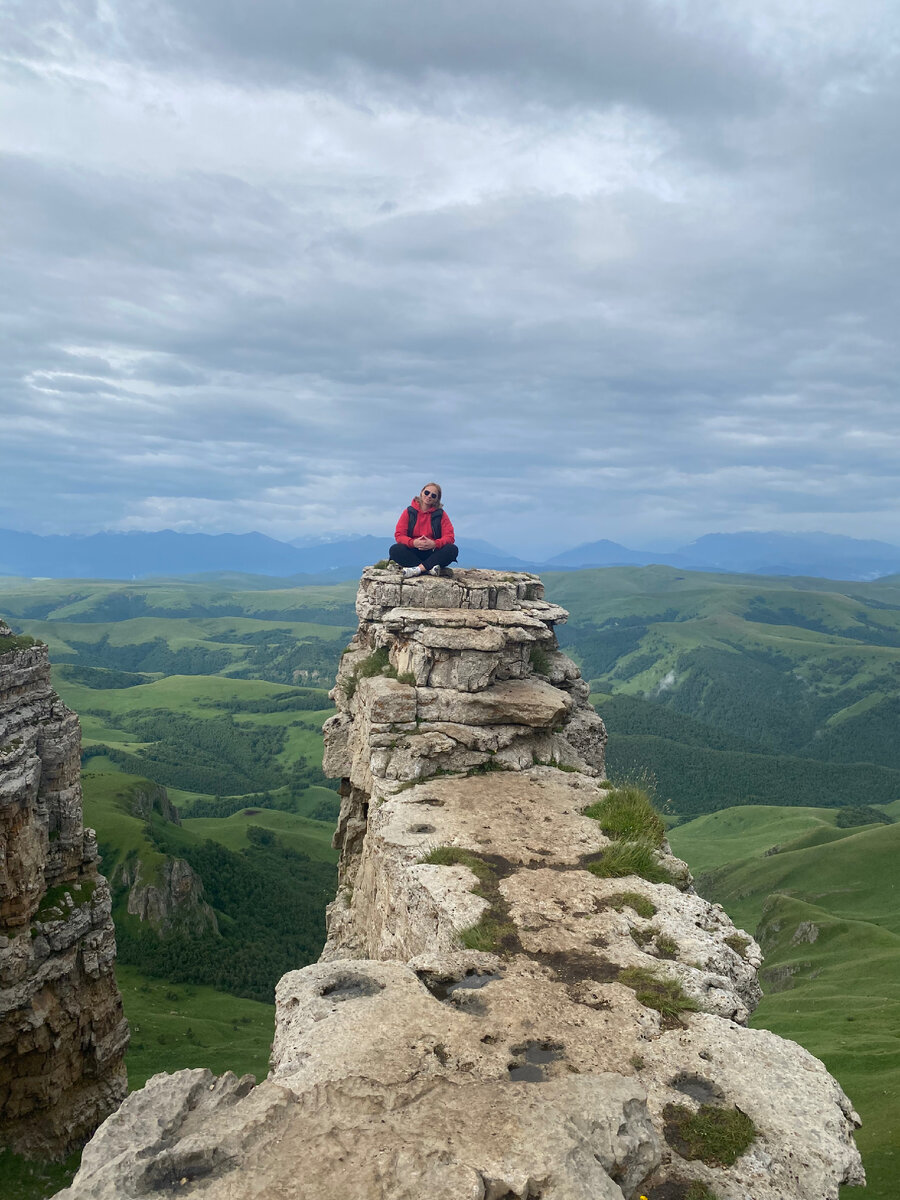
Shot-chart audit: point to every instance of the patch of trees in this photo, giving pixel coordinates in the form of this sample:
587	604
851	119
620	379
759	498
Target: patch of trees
154	657
863	814
297	700
868	630
102	678
271	905
287	660
698	780
213	755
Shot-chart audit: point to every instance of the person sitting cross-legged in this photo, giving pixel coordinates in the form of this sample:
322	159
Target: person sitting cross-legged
425	544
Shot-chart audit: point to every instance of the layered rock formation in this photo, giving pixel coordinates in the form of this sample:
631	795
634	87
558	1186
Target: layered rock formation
62	1030
490	1018
169	896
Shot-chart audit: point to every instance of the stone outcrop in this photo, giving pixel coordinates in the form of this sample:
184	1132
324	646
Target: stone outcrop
490	1018
62	1030
168	895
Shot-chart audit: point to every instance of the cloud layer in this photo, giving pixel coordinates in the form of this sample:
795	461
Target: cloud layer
623	270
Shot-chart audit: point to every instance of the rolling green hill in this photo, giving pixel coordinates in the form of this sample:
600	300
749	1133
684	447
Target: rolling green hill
777	685
823	903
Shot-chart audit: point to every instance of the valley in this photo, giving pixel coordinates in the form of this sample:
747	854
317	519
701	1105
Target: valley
765	709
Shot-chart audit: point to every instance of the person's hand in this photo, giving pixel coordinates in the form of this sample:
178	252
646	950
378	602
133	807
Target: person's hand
423	543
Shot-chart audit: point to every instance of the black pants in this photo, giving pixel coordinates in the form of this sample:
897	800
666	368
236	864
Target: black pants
408	556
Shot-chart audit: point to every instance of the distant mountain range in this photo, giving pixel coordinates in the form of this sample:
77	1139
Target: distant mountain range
167	553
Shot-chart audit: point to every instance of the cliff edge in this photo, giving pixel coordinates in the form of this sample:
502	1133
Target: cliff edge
62	1030
521	994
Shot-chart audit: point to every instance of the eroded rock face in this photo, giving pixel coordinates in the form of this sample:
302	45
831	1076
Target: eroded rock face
407	1065
62	1030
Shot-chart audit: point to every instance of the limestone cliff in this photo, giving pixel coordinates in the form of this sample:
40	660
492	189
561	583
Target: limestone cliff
491	1018
62	1031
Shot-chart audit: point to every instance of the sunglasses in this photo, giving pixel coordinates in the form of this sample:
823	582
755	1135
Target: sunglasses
433	495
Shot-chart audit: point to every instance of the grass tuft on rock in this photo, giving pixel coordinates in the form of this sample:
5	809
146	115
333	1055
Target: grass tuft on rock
631	858
495	932
375	664
453	856
697	1190
490	934
666	947
716	1136
655	991
628	813
642	906
738	943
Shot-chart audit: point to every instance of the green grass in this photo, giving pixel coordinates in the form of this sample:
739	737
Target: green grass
495	932
717	1136
21	1179
451	856
642	906
666	996
621	859
839	994
11	642
176	1025
627	812
490	935
109	801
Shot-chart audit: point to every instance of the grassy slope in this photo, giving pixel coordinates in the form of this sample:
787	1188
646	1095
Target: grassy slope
181	1025
298	833
693	610
839	994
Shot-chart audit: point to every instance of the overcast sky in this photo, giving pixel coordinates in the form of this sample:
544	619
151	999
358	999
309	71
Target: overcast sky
603	268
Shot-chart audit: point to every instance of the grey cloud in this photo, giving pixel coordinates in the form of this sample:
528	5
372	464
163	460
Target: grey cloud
665	57
706	339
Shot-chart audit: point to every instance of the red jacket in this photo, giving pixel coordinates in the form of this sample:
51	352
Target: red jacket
423	528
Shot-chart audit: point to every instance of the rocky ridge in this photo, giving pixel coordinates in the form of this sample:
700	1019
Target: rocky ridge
62	1030
490	1018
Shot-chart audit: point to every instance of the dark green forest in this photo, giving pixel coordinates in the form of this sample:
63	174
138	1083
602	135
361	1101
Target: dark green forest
270	903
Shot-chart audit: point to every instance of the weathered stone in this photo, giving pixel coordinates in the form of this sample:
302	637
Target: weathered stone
62	1030
532	702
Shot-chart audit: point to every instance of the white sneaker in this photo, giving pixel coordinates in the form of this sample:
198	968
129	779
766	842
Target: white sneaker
408	572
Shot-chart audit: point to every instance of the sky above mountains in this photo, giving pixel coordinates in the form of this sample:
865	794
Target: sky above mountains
622	270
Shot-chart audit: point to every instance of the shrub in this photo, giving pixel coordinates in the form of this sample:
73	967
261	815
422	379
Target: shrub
383	564
17	642
630	858
654	991
717	1136
540	660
